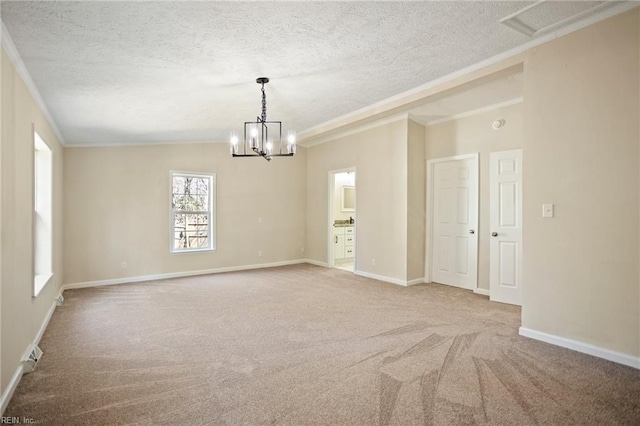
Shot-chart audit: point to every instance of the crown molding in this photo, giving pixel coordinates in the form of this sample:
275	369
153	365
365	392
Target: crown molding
149	143
12	52
328	137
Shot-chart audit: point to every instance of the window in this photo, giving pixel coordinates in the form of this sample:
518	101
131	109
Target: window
192	209
43	214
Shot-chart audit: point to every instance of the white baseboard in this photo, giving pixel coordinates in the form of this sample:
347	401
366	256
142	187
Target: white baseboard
585	348
46	320
397	281
317	263
481	291
15	379
373	276
142	278
11	388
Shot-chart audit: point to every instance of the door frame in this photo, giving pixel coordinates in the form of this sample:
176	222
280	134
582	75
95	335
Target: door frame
331	197
428	261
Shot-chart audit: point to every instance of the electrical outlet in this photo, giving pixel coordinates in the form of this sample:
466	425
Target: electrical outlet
259	253
302	250
260	219
373	262
124	265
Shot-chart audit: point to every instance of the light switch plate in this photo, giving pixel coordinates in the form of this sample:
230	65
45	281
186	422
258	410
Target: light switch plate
547	210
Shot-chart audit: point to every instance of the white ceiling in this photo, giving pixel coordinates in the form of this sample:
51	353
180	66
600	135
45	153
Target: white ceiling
137	72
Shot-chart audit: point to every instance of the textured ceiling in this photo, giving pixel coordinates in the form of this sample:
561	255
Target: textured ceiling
127	72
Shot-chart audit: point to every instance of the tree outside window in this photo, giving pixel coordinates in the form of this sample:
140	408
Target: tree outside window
192	212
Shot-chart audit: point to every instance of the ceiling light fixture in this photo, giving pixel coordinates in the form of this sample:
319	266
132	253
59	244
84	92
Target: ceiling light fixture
262	136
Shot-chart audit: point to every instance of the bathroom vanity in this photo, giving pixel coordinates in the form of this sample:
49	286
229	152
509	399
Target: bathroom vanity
343	240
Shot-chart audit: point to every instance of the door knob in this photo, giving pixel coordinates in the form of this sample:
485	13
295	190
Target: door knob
494	234
471	231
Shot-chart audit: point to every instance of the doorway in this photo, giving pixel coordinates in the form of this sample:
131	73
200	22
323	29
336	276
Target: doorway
342	219
452	221
453	227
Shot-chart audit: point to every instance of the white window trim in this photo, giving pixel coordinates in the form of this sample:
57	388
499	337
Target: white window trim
212	212
41	280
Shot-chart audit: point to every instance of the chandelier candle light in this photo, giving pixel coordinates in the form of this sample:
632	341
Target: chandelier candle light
262	136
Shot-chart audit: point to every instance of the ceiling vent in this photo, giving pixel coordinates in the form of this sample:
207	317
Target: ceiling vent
545	16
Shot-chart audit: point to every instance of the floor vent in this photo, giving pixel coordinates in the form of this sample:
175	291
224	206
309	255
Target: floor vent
32	359
59	300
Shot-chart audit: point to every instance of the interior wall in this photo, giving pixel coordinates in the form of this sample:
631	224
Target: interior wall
117	209
473	134
581	152
416	201
22	315
380	157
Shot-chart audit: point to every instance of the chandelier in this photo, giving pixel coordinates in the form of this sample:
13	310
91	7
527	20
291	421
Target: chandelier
262	136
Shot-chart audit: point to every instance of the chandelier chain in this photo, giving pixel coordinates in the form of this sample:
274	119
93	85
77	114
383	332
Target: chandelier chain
264	105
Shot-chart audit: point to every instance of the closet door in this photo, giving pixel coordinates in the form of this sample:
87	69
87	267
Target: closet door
506	227
455	223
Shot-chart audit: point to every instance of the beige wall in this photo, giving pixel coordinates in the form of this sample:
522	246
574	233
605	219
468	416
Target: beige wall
23	315
117	209
581	115
416	201
474	134
380	157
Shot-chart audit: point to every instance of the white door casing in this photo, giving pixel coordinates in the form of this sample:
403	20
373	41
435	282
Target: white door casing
506	227
454	221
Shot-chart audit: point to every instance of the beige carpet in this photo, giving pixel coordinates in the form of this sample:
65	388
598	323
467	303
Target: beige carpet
305	345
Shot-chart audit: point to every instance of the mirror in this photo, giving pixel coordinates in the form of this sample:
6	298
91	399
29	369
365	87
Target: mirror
348	198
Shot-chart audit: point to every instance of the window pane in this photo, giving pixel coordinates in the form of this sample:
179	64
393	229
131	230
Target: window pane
202	186
178	184
202	203
178	202
191	231
197	239
190	194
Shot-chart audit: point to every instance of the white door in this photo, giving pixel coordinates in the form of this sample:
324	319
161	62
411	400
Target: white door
506	227
455	223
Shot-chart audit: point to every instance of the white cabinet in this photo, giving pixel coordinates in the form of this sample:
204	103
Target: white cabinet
338	246
343	242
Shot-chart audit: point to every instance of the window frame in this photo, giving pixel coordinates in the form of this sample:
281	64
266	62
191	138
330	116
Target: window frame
211	212
42	244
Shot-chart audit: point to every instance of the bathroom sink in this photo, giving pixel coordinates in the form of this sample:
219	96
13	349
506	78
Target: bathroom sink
342	223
